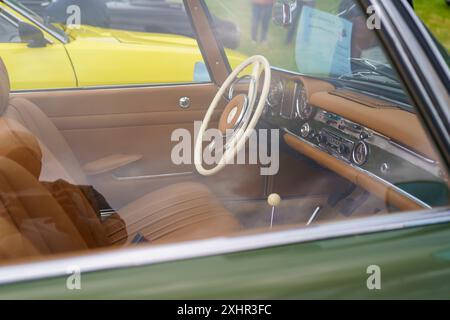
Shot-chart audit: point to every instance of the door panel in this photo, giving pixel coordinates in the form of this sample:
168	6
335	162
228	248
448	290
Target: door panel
139	121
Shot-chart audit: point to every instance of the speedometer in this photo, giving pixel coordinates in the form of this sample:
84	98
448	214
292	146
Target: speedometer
276	93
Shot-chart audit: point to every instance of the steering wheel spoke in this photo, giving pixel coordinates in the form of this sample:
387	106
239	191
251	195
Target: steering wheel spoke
239	115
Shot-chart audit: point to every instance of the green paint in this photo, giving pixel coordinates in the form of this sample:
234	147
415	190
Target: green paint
413	265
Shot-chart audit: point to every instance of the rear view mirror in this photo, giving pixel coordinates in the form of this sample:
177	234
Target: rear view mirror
283	12
31	35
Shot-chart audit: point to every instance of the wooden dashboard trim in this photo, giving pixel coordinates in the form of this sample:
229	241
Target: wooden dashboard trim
383	190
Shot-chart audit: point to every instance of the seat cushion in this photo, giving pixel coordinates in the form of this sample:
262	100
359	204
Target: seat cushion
181	212
28	207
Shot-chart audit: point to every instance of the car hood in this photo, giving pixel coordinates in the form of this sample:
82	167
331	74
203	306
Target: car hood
87	33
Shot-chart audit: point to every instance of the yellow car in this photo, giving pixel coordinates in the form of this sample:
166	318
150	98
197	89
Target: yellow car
41	55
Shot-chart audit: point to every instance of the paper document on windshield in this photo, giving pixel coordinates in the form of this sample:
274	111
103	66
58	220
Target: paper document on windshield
323	45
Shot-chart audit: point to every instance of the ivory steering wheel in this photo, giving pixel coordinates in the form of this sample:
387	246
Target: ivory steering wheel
239	117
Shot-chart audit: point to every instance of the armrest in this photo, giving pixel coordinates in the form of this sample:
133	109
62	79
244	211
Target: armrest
110	163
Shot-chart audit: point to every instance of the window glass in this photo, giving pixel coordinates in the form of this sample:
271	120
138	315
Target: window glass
9	32
436	17
93	37
336	139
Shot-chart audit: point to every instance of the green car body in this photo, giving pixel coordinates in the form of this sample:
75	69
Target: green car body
414	264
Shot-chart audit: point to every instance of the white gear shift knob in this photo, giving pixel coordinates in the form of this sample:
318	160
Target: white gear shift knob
274	200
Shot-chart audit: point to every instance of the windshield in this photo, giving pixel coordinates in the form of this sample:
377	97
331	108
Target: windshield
54	28
324	38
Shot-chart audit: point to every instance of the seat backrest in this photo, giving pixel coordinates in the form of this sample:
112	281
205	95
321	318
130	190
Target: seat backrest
43	217
59	160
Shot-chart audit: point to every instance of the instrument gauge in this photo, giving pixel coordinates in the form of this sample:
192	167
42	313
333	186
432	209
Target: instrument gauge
276	94
304	110
360	153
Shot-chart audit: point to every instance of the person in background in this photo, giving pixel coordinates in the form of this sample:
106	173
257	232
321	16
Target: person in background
262	13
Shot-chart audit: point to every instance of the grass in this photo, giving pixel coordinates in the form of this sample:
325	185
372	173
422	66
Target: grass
435	14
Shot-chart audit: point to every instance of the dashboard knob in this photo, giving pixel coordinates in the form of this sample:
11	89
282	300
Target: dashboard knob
363	135
305	130
323	139
317	139
344	150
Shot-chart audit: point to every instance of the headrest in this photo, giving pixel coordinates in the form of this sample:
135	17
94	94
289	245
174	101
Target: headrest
4	87
19	145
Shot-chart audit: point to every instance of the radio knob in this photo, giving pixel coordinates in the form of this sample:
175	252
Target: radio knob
363	135
323	139
344	150
317	138
305	130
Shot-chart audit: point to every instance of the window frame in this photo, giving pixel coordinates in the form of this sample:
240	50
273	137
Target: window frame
212	72
426	91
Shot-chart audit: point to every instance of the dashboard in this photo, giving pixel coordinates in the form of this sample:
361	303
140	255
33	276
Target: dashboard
368	140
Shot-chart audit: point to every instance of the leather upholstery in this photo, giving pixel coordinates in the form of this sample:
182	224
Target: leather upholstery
176	213
57	152
4	87
80	211
54	216
18	144
31	210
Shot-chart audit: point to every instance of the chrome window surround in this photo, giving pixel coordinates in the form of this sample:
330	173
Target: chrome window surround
5	15
148	255
113	87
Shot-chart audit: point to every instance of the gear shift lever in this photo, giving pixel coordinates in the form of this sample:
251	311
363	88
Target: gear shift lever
273	200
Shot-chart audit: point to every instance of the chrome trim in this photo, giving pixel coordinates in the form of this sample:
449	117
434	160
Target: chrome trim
366	172
274	83
305	130
418	155
244	115
149	255
303	96
116	87
366	153
236	81
185	102
155	176
385	168
10	20
313	216
383	142
294	99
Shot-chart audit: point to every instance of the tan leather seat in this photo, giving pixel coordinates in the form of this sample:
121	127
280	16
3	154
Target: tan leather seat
180	212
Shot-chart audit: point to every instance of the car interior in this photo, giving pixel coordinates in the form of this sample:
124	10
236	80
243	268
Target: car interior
92	168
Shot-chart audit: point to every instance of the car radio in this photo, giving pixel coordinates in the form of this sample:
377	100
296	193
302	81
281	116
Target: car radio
335	144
